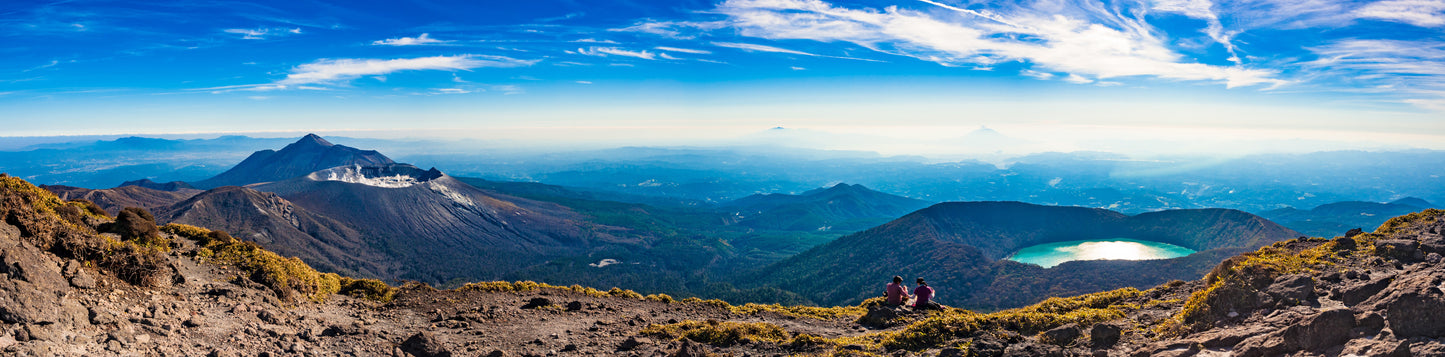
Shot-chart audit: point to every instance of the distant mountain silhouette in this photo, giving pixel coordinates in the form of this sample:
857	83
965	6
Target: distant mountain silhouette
305	156
1334	219
115	199
958	247
168	186
841	207
1413	201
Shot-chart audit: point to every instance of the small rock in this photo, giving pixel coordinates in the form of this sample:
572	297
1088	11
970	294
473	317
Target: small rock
537	302
633	342
574	306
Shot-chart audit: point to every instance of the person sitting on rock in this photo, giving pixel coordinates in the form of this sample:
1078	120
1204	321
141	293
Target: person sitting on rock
923	295
896	293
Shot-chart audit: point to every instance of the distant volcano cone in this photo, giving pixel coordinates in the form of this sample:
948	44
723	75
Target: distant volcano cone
307	155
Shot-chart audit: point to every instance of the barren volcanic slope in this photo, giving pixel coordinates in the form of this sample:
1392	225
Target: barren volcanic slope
958	247
77	283
266	218
305	156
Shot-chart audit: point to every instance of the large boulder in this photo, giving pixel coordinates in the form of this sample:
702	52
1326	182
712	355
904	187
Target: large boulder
31	283
425	344
1291	290
880	316
1357	292
1062	335
1413	305
1104	335
1313	333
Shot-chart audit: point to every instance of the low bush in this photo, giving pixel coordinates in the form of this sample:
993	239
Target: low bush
290	278
721	334
370	289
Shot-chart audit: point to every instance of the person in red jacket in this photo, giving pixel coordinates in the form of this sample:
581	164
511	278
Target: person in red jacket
924	295
896	293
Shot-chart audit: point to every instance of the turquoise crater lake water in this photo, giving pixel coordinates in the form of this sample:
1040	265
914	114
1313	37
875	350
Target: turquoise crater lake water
1051	254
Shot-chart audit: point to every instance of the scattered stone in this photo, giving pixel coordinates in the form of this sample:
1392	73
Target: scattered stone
574	306
79	277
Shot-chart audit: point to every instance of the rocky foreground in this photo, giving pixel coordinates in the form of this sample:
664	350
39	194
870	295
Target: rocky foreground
75	281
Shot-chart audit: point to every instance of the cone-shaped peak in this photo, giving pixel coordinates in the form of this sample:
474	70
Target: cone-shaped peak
313	139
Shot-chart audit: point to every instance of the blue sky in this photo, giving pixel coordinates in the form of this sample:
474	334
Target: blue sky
896	76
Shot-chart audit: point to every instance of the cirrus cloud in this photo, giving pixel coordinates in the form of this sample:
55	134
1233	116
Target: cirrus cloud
423	39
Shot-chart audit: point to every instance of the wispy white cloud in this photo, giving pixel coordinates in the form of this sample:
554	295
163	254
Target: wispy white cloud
683	50
263	32
333	72
760	48
1203	10
674	29
1036	74
584	82
1100	43
330	71
1423	13
1077	79
451	90
615	51
593	40
1412	68
423	39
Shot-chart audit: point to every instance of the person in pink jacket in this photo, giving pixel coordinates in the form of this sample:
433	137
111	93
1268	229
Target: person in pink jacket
895	292
924	294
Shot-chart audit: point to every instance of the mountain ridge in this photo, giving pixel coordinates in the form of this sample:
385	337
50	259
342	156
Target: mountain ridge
961	244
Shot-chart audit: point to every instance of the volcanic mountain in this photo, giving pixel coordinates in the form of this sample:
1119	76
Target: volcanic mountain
841	207
305	156
959	247
274	222
434	226
364	215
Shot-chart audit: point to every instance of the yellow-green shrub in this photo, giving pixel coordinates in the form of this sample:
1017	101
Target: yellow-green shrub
370	289
286	276
725	333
